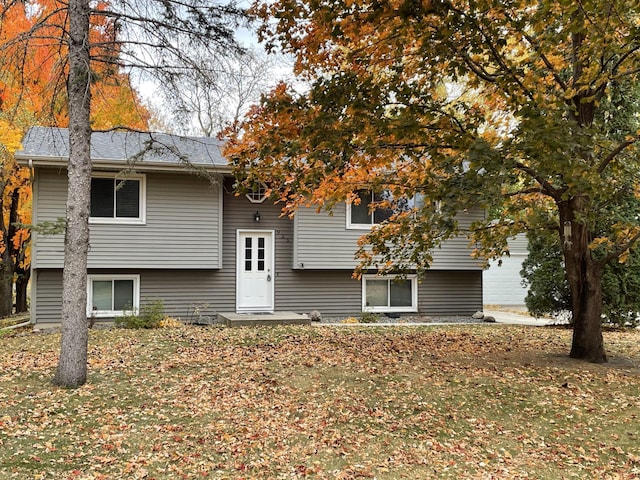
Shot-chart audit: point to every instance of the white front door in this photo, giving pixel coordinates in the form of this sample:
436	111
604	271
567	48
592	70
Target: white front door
254	271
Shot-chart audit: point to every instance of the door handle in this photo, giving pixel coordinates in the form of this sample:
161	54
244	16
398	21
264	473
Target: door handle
269	277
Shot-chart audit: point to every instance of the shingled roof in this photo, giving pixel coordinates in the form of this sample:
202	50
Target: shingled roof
45	145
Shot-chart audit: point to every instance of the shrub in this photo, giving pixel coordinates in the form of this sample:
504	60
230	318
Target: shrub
150	316
549	293
368	317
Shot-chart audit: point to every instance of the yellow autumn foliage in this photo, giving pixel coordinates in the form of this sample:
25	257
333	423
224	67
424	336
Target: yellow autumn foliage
170	322
10	136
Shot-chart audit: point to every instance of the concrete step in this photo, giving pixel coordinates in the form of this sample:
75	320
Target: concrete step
232	319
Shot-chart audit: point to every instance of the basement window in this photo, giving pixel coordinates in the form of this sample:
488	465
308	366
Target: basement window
112	295
388	294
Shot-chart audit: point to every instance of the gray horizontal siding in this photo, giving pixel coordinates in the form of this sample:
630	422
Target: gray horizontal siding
182	229
335	292
211	292
455	253
331	292
49	197
322	241
299	291
450	292
181	291
47	297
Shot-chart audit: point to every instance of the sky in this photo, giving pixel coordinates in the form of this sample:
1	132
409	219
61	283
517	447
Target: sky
282	69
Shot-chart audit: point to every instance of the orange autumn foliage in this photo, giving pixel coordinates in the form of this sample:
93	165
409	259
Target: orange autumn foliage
526	110
33	91
32	88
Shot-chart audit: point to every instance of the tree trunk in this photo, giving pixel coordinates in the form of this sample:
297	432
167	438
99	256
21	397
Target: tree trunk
21	269
22	272
585	281
72	365
8	263
22	282
6	272
6	286
587	341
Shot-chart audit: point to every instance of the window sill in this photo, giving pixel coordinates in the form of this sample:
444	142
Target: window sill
361	226
390	310
109	314
116	221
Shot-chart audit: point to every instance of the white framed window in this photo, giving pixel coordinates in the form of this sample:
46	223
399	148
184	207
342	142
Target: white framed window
116	199
388	294
112	295
258	193
361	217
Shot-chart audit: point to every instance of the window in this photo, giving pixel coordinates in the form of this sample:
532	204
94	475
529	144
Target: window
388	294
112	295
257	194
359	216
117	200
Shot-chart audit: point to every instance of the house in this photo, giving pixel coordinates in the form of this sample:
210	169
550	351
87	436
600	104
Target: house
160	228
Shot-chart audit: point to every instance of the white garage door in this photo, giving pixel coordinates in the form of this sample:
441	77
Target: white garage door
503	285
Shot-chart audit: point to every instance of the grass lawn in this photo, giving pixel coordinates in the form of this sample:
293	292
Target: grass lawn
472	401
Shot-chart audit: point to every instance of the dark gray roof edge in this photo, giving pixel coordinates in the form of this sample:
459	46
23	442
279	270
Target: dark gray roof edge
119	148
98	164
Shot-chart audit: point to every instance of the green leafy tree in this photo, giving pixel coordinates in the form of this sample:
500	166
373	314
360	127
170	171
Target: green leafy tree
543	270
549	293
544	274
501	105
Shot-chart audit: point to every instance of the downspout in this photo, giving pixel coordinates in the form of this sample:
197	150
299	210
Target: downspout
11	327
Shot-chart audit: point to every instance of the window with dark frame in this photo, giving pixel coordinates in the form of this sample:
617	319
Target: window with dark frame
115	198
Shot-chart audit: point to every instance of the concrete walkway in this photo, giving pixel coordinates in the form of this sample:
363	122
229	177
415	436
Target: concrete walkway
515	318
233	319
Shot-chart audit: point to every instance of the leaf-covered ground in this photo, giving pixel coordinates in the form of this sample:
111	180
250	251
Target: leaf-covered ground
471	401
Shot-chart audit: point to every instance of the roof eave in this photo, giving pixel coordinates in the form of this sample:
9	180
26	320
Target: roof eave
39	161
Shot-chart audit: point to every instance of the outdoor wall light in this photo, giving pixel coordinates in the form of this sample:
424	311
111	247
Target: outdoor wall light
256	217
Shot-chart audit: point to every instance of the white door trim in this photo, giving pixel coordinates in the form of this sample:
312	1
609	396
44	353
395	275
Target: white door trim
270	267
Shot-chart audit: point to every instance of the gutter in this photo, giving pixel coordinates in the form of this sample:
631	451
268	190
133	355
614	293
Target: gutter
32	161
